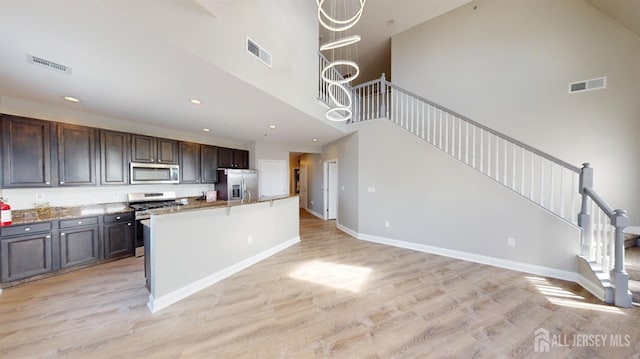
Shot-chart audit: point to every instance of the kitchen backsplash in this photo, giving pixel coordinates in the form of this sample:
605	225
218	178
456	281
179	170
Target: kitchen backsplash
25	198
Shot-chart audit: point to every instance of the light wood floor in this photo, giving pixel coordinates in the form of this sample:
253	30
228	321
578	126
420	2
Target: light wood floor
355	300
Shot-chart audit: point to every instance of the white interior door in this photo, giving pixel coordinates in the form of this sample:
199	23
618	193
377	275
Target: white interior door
303	187
332	190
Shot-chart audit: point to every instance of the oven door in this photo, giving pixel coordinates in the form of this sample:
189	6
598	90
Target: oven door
144	173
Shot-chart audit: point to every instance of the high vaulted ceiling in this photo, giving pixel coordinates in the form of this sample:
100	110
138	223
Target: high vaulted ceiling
124	67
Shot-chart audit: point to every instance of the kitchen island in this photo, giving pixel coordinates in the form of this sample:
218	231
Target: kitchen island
194	246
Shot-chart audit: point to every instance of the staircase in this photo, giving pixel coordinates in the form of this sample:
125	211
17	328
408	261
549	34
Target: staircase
632	263
555	185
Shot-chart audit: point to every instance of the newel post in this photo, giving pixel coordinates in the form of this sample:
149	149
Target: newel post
584	218
619	277
383	95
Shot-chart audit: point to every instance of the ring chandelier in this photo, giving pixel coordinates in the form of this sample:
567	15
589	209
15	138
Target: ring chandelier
341	111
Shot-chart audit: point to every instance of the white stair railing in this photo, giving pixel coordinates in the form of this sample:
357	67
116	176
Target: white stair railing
555	185
535	175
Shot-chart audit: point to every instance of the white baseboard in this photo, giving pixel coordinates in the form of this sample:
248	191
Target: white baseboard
156	304
597	290
315	213
347	230
476	258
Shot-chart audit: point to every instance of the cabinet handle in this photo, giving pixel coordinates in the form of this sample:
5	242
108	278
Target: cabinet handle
47	182
61	182
118	217
152	160
48	237
128	224
79	222
27	229
62	234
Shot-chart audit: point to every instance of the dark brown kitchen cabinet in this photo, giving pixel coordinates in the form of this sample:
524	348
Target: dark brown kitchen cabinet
233	158
153	150
114	157
118	233
208	164
189	162
79	243
76	155
25	251
26	152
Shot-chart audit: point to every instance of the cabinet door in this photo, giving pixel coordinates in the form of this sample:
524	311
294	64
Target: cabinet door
78	246
167	151
189	162
76	155
209	164
26	152
25	256
118	239
241	159
143	149
225	157
114	157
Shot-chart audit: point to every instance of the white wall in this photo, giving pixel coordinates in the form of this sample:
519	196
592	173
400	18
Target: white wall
24	198
288	29
431	199
508	65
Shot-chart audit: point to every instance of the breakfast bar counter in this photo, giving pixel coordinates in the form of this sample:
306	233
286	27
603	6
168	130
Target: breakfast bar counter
193	246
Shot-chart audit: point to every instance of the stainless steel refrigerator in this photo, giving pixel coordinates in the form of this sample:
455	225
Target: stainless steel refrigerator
237	185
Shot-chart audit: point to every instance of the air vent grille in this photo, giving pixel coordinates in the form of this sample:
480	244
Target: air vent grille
49	64
259	52
588	85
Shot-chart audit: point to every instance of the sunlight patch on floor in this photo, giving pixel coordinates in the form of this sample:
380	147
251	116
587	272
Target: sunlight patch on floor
334	275
563	297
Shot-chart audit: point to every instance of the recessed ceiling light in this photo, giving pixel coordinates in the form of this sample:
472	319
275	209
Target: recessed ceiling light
272	126
390	23
195	101
315	140
206	130
71	99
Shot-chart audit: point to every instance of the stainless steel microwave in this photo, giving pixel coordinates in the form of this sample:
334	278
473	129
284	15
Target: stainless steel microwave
147	173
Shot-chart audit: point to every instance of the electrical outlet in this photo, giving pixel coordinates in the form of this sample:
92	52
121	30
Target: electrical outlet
250	239
371	189
387	224
39	197
511	242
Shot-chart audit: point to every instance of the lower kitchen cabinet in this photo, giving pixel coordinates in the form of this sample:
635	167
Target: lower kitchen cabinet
79	245
118	233
27	255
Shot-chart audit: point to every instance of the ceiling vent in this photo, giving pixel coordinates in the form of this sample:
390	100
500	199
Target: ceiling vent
49	64
259	52
588	85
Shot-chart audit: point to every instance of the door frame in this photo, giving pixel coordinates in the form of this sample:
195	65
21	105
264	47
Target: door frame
325	187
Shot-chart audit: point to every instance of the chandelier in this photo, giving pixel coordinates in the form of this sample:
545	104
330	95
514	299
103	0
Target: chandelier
341	16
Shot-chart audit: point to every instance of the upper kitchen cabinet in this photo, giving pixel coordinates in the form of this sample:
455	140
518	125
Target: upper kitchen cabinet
114	157
232	158
189	162
198	163
153	150
76	155
208	164
26	152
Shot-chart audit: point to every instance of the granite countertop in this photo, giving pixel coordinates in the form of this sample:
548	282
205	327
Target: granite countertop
195	205
23	216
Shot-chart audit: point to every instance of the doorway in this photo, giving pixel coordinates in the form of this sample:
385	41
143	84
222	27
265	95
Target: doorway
331	192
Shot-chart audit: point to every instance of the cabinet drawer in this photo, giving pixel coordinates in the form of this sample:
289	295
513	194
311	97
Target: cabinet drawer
77	222
25	229
118	217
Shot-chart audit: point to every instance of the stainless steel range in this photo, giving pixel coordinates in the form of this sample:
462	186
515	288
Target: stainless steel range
141	203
